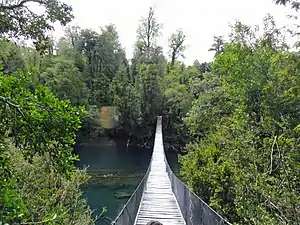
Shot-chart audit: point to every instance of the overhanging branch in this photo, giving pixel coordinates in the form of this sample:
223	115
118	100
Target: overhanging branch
21	4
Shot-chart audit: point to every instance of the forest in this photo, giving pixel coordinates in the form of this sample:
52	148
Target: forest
236	119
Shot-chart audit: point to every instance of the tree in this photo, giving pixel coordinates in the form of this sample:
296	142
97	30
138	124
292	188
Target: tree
245	120
147	34
202	67
90	46
38	132
19	20
295	4
126	98
65	80
178	97
218	46
72	33
147	70
10	57
176	45
112	53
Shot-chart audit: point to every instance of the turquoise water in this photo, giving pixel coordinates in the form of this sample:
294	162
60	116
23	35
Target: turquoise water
115	171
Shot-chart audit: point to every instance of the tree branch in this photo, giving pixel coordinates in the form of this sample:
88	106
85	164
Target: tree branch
283	166
3	99
47	220
21	4
271	166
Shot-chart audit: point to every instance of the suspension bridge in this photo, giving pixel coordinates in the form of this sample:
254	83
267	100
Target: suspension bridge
162	197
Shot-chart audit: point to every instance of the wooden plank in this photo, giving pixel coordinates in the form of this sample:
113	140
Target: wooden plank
158	201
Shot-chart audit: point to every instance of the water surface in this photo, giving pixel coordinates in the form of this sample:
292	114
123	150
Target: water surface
115	171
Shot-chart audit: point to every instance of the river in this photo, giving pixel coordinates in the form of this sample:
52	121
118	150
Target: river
115	172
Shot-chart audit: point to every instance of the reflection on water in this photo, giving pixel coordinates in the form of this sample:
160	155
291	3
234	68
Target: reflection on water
115	173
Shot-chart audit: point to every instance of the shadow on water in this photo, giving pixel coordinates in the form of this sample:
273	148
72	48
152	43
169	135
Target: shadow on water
115	172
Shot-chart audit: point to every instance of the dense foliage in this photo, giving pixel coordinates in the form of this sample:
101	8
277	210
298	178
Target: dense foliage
237	117
39	183
246	163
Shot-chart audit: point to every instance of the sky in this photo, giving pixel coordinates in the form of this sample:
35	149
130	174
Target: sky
200	20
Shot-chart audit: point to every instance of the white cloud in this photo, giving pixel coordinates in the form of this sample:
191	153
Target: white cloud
199	19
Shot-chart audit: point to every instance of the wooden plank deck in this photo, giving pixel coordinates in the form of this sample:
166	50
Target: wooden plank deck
158	201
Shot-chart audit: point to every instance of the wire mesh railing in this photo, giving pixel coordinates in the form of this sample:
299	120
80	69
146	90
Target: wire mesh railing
194	210
130	209
128	213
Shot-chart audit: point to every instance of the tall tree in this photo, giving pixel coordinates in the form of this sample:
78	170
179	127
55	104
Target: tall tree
112	54
73	35
147	34
176	45
89	46
218	45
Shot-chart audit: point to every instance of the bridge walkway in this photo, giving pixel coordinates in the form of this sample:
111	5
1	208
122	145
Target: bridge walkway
158	201
161	196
